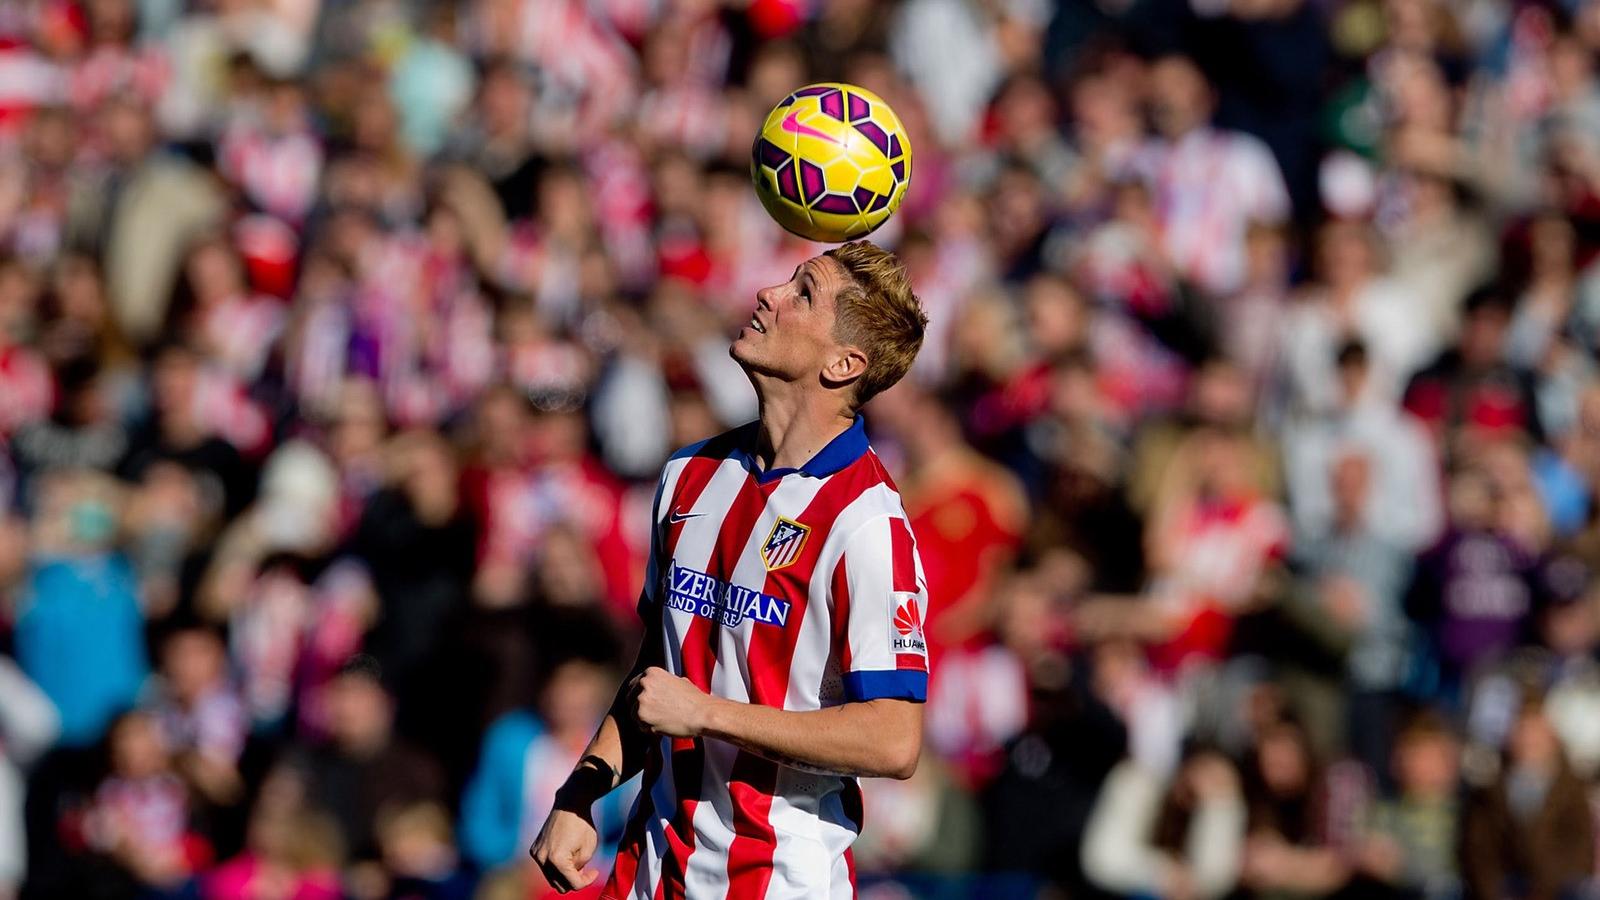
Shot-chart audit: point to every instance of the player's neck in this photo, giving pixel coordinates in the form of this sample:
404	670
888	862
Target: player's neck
793	429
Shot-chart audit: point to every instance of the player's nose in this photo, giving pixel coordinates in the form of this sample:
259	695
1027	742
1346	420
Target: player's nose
766	295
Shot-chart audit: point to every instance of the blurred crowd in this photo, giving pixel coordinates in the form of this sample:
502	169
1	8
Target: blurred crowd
1253	454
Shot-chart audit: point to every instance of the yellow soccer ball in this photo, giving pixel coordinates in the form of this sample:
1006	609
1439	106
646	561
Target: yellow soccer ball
832	162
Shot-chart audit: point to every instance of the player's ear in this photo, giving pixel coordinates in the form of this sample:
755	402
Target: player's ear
846	365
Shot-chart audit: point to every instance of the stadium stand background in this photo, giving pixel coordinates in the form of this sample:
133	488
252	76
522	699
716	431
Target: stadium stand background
1252	455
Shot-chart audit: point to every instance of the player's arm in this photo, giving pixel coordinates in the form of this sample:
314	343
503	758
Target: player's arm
617	742
879	737
616	753
568	839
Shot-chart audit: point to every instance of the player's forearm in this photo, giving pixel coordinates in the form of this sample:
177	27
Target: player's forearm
610	744
622	751
879	738
618	743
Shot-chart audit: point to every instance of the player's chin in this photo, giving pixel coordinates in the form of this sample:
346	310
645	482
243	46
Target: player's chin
757	357
744	349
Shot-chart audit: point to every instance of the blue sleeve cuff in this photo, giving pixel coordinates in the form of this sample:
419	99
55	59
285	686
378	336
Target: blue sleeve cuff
896	684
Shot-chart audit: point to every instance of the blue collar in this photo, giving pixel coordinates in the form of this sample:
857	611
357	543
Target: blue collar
843	450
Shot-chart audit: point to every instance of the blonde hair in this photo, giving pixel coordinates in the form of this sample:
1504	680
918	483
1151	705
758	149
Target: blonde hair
877	312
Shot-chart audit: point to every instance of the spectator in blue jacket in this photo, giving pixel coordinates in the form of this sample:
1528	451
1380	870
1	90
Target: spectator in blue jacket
80	628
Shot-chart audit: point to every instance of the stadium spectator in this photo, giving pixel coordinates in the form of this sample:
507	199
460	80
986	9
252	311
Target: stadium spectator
201	717
1287	852
1179	837
139	818
1351	302
419	854
1405	501
1531	832
79	626
295	854
1413	836
363	768
1358	577
1208	184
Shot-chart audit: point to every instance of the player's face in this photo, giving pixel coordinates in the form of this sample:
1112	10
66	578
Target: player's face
790	333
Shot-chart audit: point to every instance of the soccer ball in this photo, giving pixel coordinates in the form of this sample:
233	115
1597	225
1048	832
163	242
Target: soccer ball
832	162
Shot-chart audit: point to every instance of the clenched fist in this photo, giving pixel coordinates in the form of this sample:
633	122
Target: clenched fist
564	847
667	705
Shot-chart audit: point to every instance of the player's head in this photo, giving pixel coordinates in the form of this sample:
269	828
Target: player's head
846	322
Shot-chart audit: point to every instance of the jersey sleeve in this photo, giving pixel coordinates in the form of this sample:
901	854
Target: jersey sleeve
880	601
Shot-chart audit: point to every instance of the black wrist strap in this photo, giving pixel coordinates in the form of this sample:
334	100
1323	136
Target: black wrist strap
605	768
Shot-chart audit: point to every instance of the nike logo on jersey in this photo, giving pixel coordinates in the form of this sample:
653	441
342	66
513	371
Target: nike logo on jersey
675	517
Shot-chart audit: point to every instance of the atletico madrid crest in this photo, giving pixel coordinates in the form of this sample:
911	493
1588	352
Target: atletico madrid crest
784	543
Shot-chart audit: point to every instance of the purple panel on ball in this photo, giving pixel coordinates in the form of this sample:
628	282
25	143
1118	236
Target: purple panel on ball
832	103
835	203
875	135
899	170
812	91
894	145
787	186
879	202
811	183
859	108
864	197
769	154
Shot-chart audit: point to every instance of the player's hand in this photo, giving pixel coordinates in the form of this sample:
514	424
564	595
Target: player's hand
565	845
665	704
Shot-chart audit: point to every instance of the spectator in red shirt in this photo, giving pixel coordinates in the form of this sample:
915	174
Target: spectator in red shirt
139	817
1470	390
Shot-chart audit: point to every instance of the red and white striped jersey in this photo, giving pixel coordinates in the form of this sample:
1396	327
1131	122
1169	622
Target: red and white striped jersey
793	588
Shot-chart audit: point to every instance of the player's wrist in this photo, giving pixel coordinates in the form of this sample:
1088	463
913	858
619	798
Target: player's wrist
710	719
603	767
590	780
